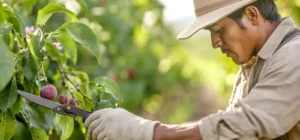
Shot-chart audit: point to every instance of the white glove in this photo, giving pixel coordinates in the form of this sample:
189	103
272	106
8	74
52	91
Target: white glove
118	124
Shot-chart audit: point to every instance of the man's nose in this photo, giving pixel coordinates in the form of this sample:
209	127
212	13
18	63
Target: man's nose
216	40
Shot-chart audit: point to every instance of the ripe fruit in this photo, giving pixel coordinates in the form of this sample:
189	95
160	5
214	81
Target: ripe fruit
48	92
72	102
63	99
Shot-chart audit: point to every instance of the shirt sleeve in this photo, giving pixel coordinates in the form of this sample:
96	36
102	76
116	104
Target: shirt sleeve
270	110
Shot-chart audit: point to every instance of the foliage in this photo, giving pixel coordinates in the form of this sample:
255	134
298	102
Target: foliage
46	43
34	57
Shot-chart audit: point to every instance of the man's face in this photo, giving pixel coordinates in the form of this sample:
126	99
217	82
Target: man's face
234	41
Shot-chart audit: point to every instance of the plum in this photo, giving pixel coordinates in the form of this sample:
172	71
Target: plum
63	99
48	92
72	102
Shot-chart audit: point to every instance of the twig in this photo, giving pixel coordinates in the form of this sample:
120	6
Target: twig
45	74
65	77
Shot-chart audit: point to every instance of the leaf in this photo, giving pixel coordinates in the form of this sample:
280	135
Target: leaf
5	30
64	126
16	108
118	103
21	24
38	116
110	86
29	67
84	102
12	18
8	96
95	99
68	44
96	96
102	104
83	6
38	134
20	40
2	14
84	80
31	87
7	125
36	46
53	52
83	35
49	10
6	65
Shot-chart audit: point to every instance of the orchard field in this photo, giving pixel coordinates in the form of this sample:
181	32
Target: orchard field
95	54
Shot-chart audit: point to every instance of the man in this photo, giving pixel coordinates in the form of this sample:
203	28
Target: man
266	98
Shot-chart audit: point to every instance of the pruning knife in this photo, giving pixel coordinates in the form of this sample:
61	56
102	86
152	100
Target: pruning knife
68	110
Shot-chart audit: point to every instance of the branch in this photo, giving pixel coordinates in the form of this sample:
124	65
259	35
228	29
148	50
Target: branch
65	77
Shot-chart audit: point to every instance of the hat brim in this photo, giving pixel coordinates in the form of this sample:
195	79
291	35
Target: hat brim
210	18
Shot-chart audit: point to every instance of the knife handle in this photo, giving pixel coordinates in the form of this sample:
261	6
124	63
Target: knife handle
86	116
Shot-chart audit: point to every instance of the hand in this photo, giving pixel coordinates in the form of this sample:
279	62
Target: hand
116	124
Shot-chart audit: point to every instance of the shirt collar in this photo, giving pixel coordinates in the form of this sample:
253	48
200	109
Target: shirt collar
286	25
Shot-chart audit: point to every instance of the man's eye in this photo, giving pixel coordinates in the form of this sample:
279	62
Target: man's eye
220	31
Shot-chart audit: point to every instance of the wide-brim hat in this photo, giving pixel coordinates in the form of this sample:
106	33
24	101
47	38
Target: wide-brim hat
209	12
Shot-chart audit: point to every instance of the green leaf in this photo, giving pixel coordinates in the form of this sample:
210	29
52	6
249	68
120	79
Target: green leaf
29	67
49	10
83	6
2	14
38	134
5	30
96	97
7	125
110	86
102	104
12	18
83	35
21	24
53	52
8	96
85	104
68	44
36	46
16	108
64	126
6	65
84	80
118	103
38	116
20	40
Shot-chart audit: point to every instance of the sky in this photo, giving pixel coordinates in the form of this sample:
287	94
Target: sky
179	12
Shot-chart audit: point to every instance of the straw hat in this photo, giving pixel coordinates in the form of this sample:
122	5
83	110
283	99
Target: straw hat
210	11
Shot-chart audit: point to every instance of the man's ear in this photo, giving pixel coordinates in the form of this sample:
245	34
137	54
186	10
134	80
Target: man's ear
252	14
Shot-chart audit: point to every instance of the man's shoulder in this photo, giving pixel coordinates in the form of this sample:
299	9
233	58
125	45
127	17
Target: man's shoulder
292	46
292	41
289	53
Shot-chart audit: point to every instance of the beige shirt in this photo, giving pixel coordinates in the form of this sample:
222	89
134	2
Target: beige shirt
271	109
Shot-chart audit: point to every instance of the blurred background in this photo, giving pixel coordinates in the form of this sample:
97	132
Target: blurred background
160	77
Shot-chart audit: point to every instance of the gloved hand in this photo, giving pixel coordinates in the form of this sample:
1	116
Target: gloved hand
118	124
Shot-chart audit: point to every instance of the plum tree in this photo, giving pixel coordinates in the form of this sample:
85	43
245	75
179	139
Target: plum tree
48	92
